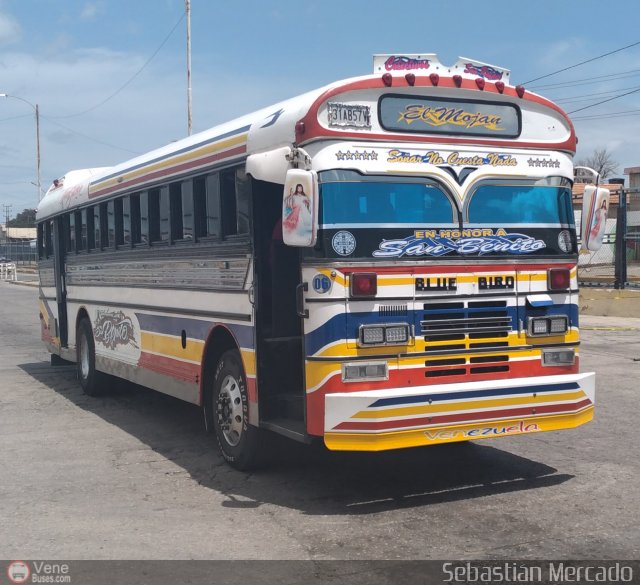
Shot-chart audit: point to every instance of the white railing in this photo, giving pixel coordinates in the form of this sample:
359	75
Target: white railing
8	271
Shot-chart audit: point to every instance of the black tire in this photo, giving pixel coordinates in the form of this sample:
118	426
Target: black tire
239	442
91	380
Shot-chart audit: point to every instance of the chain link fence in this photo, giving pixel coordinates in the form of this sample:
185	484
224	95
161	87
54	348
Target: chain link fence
617	263
20	253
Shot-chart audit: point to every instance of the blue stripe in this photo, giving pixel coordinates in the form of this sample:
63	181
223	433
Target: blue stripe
171	154
194	328
473	394
345	326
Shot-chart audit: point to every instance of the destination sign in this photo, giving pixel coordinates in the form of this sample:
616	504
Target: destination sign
445	116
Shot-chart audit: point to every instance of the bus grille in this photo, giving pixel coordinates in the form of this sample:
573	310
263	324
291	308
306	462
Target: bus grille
466	327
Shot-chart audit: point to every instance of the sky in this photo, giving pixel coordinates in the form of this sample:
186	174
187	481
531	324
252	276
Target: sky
109	76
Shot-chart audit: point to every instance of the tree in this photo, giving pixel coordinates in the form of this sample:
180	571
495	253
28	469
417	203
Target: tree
602	161
26	218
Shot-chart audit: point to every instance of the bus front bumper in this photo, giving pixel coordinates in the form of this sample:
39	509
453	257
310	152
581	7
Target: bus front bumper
377	420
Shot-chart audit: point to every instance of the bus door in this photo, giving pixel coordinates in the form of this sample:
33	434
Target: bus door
60	231
279	340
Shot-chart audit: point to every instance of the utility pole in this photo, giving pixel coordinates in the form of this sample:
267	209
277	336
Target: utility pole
7	216
189	117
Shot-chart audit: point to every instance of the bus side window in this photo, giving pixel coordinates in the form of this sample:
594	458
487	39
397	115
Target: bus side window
40	241
243	200
48	239
118	221
181	201
153	203
93	227
187	210
71	233
199	207
228	199
109	236
139	218
213	222
84	230
104	227
235	191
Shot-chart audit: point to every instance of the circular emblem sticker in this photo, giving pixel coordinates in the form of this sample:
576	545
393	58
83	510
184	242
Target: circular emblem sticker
321	284
564	241
18	572
343	243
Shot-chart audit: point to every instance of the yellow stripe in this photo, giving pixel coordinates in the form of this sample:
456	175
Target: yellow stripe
249	361
172	346
190	155
419	437
472	405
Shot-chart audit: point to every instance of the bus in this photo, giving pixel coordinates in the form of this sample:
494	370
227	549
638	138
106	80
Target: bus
388	261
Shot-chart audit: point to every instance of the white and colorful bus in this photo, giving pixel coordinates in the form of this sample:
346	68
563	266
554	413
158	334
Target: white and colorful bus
388	261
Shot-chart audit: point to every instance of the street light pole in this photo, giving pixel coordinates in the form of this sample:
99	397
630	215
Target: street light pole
189	117
36	109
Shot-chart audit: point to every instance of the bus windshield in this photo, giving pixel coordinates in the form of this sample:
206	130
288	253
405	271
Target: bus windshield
532	205
392	217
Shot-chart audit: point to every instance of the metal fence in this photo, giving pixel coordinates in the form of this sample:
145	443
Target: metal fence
617	263
21	253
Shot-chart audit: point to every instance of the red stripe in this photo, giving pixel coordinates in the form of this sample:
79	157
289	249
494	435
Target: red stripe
170	171
252	390
527	411
412	377
170	367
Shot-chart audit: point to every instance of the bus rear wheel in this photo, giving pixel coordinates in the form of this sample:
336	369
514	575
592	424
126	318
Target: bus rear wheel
239	441
91	380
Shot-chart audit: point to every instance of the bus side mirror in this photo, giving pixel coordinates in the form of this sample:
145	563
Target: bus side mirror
300	208
595	207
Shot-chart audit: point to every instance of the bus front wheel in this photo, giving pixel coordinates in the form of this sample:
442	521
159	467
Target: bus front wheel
91	380
238	440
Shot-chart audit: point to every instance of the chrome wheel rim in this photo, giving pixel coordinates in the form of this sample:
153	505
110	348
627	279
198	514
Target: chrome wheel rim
229	410
84	357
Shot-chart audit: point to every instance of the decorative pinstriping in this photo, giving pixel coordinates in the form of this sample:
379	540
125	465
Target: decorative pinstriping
162	348
225	146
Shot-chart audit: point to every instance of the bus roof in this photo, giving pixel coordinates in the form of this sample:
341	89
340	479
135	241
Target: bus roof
304	119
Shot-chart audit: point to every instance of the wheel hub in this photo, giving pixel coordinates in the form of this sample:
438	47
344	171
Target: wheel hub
229	411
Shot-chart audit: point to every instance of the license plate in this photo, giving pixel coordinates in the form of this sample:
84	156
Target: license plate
349	115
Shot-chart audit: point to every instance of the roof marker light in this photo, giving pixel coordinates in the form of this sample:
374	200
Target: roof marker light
520	90
387	79
435	78
411	78
457	79
480	83
300	128
500	86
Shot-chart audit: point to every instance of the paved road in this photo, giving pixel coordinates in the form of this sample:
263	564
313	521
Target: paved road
133	475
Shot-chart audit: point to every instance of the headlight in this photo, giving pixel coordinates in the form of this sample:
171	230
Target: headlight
548	325
384	334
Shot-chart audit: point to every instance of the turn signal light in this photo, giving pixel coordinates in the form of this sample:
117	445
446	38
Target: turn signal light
364	284
559	279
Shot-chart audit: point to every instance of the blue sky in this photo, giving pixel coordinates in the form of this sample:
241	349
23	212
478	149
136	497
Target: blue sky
70	55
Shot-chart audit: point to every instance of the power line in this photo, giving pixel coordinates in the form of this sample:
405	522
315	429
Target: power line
588	80
605	101
621	114
88	137
124	85
589	96
583	62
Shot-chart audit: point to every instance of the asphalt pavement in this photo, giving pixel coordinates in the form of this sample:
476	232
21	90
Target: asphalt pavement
133	475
